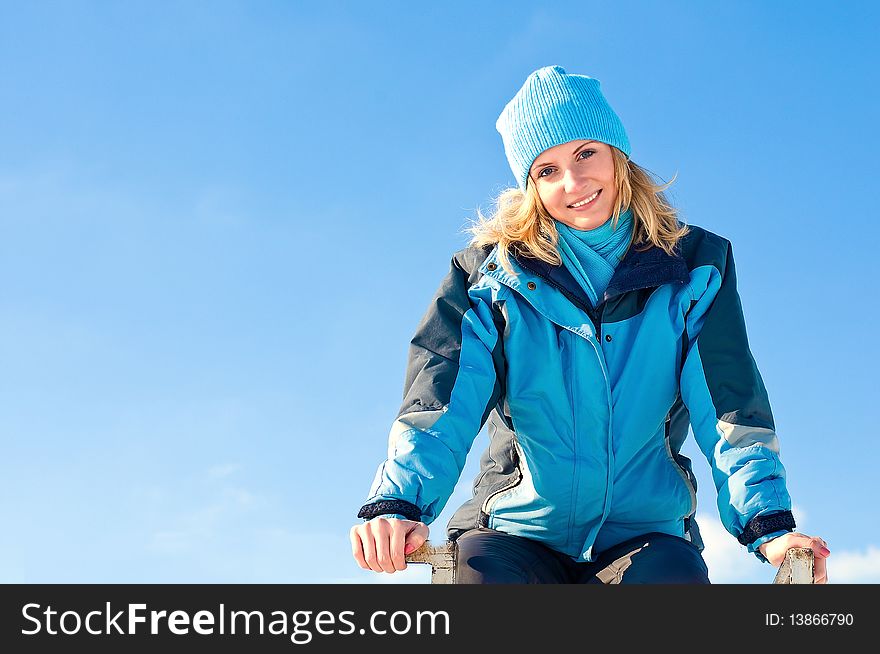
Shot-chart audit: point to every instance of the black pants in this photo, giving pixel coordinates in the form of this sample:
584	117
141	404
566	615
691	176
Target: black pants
487	556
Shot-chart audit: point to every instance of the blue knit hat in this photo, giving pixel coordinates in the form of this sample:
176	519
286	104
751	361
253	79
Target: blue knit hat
552	108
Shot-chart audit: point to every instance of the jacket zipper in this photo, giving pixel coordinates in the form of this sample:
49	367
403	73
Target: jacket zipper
575	486
595	316
609	482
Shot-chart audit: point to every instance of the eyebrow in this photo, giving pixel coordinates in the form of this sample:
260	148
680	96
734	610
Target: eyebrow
540	165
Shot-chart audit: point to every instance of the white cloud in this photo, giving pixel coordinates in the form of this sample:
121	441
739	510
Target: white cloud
800	517
728	561
855	567
416	573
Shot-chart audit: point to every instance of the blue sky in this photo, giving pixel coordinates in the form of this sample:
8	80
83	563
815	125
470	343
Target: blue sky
221	223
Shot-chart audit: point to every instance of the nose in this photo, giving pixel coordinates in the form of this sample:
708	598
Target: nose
573	180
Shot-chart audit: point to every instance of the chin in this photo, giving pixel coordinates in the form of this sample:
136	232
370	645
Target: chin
592	221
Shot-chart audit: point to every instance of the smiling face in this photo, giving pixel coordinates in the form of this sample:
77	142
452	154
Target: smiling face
567	178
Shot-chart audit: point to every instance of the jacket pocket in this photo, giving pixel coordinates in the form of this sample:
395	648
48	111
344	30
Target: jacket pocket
505	486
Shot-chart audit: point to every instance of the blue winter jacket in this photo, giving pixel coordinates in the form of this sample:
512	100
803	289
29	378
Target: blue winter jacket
587	408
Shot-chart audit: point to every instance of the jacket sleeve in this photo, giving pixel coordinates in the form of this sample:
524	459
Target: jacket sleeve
730	411
451	386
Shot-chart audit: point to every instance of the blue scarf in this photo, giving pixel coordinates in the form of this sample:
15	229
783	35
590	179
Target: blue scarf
592	255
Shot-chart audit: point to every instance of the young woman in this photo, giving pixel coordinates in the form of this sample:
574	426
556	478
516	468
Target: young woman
590	328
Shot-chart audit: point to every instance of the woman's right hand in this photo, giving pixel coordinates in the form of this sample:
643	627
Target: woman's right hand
381	543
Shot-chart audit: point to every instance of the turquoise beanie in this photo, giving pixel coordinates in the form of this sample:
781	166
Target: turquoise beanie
552	108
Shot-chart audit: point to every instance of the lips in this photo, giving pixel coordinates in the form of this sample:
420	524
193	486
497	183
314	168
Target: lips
596	193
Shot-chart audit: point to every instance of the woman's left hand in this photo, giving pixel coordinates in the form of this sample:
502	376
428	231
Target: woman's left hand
774	551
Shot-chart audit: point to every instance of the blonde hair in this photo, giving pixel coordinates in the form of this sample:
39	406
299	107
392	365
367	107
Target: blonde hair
521	225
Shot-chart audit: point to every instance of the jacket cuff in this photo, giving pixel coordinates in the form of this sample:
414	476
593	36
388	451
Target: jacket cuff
383	507
763	525
394	515
753	547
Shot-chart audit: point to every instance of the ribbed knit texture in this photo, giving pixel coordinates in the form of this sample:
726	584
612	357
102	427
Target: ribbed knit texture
592	255
552	108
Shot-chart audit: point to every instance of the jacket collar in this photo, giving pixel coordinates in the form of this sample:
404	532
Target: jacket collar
647	269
